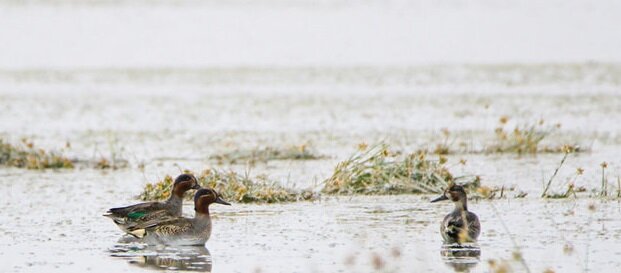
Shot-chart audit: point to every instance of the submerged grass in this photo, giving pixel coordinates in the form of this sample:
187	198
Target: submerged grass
376	170
252	156
234	187
26	155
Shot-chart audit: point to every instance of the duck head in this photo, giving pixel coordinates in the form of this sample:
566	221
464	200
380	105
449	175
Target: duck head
184	183
455	193
205	197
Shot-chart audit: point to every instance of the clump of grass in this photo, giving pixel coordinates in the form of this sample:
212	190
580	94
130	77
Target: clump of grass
490	193
235	187
157	190
377	170
252	156
113	163
26	155
525	139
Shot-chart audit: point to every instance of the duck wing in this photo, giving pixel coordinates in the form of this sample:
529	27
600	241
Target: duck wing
123	215
474	226
170	227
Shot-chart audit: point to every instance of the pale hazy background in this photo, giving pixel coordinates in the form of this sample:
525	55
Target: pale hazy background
61	34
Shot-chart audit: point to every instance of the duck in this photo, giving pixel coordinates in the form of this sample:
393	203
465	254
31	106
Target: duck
181	230
460	226
126	218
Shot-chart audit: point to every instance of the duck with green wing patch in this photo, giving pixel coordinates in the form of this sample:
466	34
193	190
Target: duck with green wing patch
127	218
183	231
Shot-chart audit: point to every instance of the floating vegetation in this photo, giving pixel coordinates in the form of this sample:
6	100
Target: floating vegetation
26	155
301	152
377	170
233	186
526	139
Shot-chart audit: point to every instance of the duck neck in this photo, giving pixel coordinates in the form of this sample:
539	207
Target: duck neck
202	214
462	204
174	200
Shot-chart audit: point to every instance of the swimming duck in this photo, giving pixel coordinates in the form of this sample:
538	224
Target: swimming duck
183	231
127	218
459	226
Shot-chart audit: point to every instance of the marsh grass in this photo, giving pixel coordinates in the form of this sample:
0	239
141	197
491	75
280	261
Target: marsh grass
265	154
376	170
491	193
526	139
604	189
113	164
547	187
26	155
572	190
520	139
241	188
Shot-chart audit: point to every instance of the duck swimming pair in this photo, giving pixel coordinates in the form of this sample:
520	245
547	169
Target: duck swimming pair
161	222
459	226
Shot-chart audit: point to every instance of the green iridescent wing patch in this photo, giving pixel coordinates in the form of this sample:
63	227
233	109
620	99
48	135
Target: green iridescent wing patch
136	215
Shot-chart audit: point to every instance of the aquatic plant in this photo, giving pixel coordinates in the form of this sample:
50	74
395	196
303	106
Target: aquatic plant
490	193
252	156
234	187
571	190
112	163
28	156
377	170
526	139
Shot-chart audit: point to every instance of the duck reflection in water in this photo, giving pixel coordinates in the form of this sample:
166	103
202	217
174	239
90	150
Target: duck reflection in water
186	258
461	257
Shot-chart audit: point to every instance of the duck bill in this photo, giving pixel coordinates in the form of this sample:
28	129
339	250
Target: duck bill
441	198
220	201
197	187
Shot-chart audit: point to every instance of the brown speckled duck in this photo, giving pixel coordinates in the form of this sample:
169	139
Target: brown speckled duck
183	231
459	226
127	218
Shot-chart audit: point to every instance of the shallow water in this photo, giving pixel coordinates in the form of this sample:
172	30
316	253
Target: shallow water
52	220
172	113
60	229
